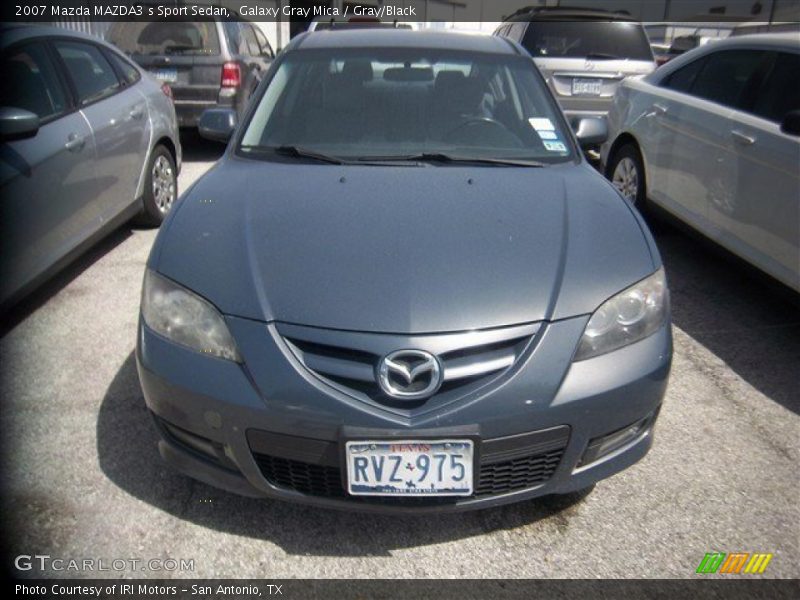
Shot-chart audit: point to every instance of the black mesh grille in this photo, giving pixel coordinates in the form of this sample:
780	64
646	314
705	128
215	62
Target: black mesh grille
314	480
493	479
517	474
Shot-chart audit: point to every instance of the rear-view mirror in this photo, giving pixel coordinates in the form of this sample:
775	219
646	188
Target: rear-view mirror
591	131
17	123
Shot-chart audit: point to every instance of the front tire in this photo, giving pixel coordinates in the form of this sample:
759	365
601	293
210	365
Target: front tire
626	172
161	187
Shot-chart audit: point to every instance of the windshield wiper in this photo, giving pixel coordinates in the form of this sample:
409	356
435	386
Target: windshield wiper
296	152
446	158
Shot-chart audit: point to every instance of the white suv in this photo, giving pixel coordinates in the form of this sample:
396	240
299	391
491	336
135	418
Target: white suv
583	54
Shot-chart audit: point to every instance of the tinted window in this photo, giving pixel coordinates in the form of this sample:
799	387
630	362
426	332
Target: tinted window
128	71
682	79
32	82
578	39
778	95
725	75
370	102
89	70
156	38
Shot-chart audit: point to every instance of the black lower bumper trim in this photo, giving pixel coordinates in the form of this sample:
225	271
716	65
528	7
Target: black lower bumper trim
312	467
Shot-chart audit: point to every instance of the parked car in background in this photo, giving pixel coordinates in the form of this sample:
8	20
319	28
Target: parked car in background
87	141
713	137
418	295
206	63
583	54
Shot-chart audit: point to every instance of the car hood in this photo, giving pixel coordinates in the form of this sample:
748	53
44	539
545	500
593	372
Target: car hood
402	249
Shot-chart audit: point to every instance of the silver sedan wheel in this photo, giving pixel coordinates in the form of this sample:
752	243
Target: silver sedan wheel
163	178
626	179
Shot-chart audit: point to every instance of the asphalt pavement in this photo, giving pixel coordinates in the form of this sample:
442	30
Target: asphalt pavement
83	479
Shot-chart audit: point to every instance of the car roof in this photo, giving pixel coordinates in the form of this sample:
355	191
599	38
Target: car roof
402	38
758	41
14	33
779	40
566	13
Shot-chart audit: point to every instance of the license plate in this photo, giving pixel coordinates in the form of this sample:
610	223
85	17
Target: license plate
587	87
168	75
410	468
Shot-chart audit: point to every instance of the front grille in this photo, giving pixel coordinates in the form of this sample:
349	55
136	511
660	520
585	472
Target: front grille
347	361
326	481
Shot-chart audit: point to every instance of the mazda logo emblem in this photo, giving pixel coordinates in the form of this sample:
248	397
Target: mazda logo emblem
409	374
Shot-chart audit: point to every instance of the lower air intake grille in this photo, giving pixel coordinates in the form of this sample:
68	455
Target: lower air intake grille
517	474
326	481
314	480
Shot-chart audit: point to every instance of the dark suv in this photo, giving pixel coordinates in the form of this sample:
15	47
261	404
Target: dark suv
206	63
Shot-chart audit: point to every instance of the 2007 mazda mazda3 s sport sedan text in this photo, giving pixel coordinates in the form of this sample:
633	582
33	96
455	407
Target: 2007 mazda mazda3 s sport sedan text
402	288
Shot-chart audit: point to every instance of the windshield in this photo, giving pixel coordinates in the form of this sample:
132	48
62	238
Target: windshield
579	39
368	103
158	38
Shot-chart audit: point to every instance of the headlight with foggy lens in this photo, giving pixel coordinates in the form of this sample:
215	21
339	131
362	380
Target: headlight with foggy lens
628	317
185	318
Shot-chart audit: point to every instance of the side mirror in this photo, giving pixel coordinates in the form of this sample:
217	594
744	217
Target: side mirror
17	124
791	123
217	124
591	131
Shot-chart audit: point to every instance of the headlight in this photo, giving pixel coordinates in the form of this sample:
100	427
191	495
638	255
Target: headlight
628	317
185	318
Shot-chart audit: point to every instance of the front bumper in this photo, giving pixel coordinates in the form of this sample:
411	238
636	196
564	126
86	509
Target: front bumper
270	428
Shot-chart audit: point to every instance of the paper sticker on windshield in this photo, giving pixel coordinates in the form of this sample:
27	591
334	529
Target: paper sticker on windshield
541	124
554	146
547	135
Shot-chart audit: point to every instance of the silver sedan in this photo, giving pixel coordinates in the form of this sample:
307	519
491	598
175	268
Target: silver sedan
713	137
87	141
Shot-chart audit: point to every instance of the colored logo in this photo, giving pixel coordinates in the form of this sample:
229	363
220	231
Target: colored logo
734	563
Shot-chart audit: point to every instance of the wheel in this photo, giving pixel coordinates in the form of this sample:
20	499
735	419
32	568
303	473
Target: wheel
160	187
627	174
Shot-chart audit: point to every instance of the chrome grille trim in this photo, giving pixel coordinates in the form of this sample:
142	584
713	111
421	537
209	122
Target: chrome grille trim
335	367
483	364
468	358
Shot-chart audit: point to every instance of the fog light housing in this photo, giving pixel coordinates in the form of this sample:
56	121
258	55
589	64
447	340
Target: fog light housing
602	446
208	449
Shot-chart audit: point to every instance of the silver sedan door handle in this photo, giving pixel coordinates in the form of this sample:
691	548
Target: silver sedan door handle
75	143
137	113
743	138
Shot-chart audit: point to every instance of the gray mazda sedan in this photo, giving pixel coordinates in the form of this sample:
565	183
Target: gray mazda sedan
403	289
